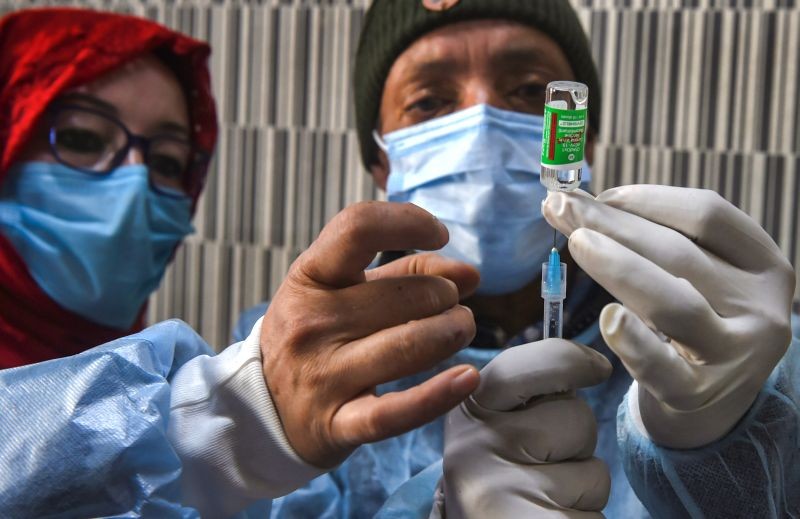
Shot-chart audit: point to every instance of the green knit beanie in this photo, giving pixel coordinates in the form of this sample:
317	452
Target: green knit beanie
391	26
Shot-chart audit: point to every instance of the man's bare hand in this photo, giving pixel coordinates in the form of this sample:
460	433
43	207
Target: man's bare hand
334	331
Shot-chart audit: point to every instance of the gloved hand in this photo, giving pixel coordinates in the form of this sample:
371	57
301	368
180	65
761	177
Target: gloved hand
521	445
333	332
707	297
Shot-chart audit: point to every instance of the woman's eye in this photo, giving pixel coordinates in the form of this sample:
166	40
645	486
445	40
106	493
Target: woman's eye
166	167
80	140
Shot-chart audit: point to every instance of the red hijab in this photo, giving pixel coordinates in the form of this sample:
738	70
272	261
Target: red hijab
43	54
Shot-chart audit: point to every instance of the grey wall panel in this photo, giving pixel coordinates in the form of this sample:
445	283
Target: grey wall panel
699	93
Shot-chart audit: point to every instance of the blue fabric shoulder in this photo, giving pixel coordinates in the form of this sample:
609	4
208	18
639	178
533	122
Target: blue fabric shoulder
751	472
247	320
86	436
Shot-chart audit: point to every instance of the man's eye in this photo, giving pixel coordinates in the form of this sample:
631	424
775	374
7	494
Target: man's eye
79	140
426	105
531	91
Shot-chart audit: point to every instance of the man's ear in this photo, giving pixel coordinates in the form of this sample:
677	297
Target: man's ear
380	170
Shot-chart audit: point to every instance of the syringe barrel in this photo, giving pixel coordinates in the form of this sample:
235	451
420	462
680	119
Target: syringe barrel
553	318
554	290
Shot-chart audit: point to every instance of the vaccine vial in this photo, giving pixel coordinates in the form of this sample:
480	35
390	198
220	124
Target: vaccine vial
564	136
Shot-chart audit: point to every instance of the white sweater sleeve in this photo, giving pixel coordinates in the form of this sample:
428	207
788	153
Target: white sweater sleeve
228	434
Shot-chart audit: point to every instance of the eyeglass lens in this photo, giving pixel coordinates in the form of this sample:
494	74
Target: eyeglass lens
93	142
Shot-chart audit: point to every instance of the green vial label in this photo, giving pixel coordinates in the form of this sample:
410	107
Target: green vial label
564	136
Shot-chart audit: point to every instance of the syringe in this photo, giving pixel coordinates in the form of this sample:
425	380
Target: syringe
563	141
554	290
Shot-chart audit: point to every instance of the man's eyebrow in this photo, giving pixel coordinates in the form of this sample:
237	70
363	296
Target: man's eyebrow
92	100
432	67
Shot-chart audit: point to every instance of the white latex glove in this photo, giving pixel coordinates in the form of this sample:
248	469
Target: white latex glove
521	445
707	297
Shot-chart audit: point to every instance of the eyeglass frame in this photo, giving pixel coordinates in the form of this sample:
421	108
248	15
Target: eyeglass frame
197	159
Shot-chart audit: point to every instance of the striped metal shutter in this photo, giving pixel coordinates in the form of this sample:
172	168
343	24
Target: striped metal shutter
700	93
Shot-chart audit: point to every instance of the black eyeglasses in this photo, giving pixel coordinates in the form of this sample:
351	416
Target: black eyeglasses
96	143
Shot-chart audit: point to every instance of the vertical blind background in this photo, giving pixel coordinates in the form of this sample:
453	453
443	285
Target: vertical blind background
700	93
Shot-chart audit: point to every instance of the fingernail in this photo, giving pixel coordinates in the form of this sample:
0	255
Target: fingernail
558	212
554	202
445	232
611	319
461	335
465	383
458	308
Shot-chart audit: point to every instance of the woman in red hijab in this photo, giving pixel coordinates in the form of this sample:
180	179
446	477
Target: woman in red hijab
106	126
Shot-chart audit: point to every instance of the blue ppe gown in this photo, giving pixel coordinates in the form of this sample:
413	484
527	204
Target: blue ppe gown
86	436
752	472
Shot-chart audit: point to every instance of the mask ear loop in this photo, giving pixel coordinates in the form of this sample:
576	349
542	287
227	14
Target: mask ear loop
379	141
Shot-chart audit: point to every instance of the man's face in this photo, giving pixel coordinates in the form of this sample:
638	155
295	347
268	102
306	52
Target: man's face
501	63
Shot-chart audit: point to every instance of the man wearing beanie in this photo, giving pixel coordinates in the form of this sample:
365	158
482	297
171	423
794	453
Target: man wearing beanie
676	321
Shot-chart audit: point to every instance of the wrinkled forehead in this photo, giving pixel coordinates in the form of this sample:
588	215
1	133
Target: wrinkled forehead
481	46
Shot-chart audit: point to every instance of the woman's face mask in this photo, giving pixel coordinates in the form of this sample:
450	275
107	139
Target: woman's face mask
478	172
96	244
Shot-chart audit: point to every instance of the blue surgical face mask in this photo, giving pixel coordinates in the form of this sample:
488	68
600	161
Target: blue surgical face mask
97	245
478	172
